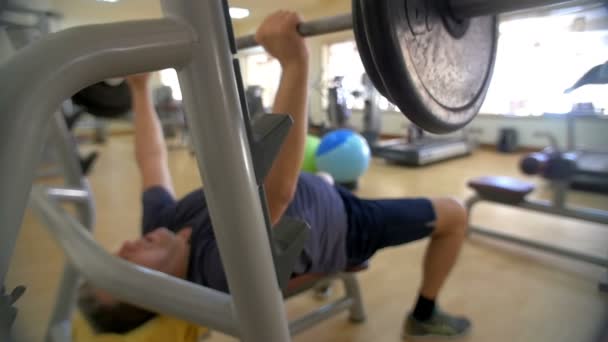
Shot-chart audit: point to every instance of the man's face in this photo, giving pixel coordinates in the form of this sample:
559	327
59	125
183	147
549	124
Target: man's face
161	250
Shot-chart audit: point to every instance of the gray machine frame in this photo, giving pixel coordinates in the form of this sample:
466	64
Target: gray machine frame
557	206
194	37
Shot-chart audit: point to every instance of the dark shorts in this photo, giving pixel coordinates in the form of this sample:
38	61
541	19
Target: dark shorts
377	224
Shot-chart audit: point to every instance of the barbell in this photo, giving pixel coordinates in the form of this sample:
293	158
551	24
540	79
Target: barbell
432	59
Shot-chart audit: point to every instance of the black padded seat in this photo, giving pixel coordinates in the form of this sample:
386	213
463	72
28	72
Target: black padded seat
501	189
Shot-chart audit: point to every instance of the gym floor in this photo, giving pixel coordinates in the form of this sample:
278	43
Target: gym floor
511	293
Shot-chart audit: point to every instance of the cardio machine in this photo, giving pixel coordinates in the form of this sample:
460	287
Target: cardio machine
416	148
591	165
591	173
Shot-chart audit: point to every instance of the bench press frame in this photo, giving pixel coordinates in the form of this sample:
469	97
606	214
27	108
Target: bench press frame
555	207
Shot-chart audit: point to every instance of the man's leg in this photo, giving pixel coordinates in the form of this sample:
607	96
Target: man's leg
381	223
446	241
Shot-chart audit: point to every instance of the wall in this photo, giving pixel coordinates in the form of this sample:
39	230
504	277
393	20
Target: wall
86	12
589	132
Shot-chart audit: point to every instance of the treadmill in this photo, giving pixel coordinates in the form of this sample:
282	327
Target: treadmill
422	152
416	148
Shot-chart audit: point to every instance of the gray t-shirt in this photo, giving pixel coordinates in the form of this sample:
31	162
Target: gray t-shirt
315	202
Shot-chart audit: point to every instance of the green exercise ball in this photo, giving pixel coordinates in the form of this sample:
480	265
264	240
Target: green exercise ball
309	164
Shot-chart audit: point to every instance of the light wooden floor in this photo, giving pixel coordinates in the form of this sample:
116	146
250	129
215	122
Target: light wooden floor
512	294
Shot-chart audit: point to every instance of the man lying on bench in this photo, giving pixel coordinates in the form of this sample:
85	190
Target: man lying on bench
345	230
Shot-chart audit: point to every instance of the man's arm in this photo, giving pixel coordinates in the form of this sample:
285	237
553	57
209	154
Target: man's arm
150	148
278	35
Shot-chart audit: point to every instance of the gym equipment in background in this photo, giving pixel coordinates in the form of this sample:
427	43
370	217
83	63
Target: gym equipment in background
372	117
172	118
255	101
556	167
591	164
591	173
508	140
596	75
418	149
309	163
338	112
106	99
192	35
345	155
415	149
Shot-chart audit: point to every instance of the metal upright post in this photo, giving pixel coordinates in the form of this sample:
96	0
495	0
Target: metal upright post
212	104
59	324
560	188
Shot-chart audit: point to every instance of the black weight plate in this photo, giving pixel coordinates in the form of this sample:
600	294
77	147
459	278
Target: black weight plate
437	80
364	52
104	100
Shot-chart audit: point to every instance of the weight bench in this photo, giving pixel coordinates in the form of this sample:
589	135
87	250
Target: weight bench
513	192
351	300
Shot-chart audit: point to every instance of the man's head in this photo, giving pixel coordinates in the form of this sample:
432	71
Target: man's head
160	250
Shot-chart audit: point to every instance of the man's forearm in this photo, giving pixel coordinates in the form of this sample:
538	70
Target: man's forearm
149	139
150	148
292	99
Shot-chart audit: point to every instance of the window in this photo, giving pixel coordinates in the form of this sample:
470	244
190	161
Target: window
538	59
264	71
342	60
168	77
261	69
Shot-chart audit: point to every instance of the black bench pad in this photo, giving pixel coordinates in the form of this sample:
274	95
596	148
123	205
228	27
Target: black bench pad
501	189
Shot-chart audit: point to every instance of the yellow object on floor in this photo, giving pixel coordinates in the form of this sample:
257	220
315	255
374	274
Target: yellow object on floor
159	329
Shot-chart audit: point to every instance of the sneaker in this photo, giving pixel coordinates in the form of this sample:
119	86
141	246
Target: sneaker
441	325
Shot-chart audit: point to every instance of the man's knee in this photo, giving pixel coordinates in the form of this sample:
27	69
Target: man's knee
451	216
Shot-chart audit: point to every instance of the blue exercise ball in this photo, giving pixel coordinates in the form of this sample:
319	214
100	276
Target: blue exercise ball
344	154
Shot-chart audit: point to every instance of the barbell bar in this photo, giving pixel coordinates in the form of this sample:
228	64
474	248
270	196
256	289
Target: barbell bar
459	8
311	28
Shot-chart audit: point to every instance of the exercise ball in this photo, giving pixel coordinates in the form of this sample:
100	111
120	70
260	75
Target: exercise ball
309	164
343	154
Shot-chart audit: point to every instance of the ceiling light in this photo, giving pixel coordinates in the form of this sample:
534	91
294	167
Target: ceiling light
111	1
238	13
